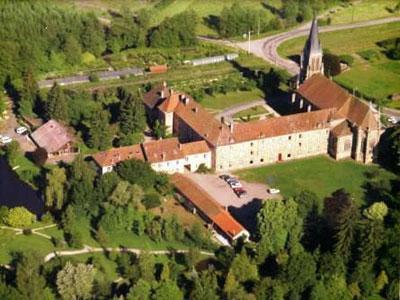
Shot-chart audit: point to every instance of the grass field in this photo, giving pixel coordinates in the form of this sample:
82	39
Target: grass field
362	11
253	111
377	79
321	175
222	101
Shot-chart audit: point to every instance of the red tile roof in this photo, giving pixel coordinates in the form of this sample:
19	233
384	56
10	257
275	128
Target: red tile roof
115	155
170	103
195	148
207	205
52	136
162	150
202	122
153	98
342	129
323	92
282	125
158	69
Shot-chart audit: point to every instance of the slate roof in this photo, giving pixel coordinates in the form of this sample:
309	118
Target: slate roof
52	136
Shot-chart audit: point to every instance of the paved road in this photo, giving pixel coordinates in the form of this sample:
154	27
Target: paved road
266	48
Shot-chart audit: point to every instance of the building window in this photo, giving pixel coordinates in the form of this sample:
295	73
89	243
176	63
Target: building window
252	144
251	162
300	136
289	137
299	144
289	155
205	155
220	167
262	160
251	152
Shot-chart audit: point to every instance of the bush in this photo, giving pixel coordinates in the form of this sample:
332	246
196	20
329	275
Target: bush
87	58
347	59
331	64
370	55
27	231
94	77
203	169
20	217
151	200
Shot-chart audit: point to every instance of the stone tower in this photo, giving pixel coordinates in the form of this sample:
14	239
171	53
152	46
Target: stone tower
311	57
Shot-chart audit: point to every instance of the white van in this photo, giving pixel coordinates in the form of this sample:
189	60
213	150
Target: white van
5	140
21	130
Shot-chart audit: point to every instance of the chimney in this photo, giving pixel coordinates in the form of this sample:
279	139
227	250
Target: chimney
231	127
185	100
163	155
164	84
196	109
162	94
222	119
179	146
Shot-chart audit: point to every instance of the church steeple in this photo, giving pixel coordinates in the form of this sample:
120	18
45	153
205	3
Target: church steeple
311	58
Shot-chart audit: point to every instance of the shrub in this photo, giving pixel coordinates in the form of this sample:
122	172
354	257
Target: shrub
20	217
27	231
88	58
347	59
151	200
331	64
370	55
203	169
94	77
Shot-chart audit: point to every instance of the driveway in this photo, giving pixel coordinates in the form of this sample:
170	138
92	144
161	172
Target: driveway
243	209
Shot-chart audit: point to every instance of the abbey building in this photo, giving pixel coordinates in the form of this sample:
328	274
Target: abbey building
330	121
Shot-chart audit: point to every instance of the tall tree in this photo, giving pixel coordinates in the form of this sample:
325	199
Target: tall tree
132	116
55	184
29	280
140	291
72	50
205	287
56	105
29	94
168	290
100	135
75	282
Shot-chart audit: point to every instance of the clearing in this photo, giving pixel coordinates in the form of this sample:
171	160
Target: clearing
320	174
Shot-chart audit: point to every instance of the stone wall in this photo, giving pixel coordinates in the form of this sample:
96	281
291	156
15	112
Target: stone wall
271	150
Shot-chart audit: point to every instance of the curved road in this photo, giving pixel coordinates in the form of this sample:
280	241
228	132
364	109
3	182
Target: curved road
266	48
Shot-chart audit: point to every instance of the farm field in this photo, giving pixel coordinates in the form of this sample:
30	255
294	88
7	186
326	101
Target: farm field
320	174
363	10
378	78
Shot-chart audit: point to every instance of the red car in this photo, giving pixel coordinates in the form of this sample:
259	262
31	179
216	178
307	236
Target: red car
240	192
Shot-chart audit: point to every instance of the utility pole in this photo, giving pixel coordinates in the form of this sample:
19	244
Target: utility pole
248	50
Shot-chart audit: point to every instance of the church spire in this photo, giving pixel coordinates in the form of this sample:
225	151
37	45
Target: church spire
311	58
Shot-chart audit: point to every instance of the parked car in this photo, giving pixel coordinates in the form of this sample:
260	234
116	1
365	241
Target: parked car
235	184
240	192
231	179
21	130
224	177
273	191
5	140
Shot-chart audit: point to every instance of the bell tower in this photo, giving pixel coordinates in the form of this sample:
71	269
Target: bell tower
311	57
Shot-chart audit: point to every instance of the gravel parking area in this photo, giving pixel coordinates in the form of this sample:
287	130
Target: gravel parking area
243	209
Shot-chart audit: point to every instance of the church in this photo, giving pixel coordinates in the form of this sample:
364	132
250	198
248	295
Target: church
330	121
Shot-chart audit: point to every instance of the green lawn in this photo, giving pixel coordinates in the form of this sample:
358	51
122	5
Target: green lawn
221	101
11	243
376	79
253	111
362	10
321	175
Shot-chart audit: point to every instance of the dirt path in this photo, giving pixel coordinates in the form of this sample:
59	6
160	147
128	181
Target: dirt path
87	249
